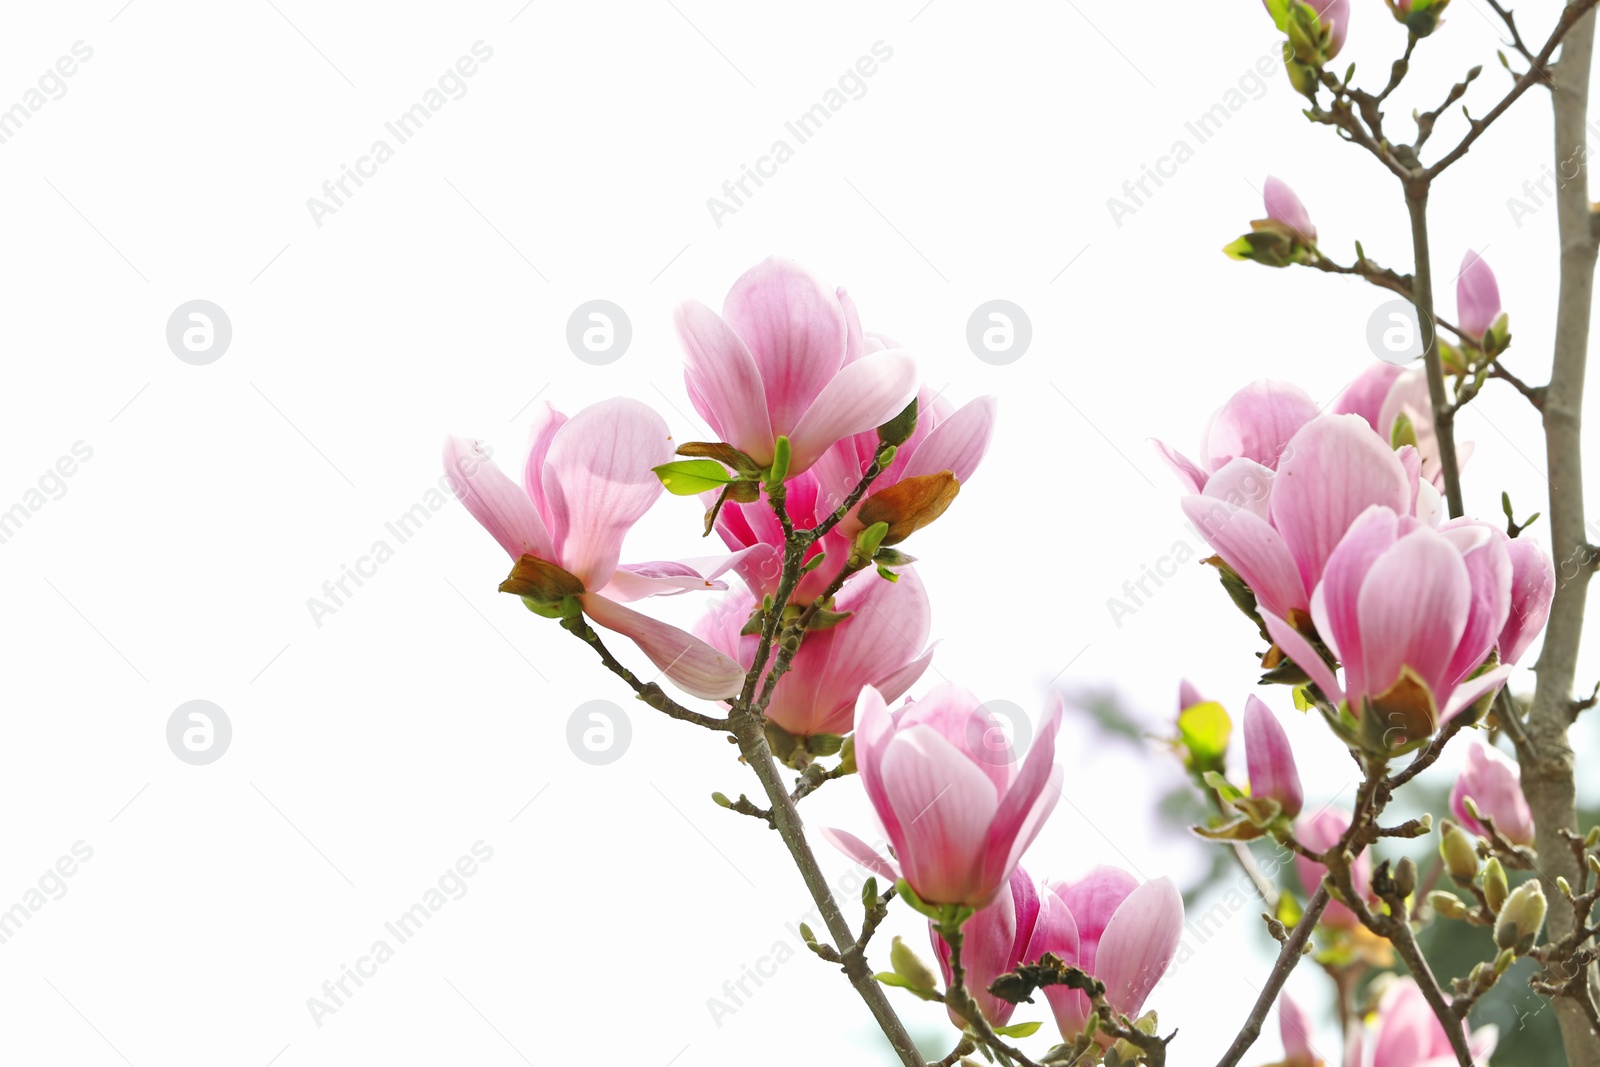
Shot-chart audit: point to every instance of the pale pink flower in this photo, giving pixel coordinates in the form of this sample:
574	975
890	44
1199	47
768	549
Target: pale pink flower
884	644
995	941
786	358
588	479
1294	1027
1285	207
1320	832
1409	1034
1383	393
957	808
1477	296
1410	612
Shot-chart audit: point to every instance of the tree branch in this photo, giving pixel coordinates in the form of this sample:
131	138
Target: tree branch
1288	956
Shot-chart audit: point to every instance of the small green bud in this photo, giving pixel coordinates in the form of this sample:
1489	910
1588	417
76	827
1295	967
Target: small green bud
1592	838
898	430
1495	887
1405	877
908	965
721	800
1503	962
1563	885
1522	918
1447	905
1460	853
1426	822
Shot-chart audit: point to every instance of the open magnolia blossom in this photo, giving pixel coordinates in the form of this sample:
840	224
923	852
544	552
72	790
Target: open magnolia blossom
1395	403
956	808
1494	785
786	358
587	480
1255	424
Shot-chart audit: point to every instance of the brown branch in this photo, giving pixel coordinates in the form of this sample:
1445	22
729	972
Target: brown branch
649	692
1288	956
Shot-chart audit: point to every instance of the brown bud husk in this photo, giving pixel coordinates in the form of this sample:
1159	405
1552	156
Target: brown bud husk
541	581
909	504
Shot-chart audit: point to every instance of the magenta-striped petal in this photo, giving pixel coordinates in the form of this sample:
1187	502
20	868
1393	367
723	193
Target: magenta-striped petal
724	382
690	663
1257	423
1243	483
1093	899
1335	469
1305	657
1366	394
498	503
1477	296
874	730
862	396
599	480
1333	605
1412	608
1294	1026
546	423
796	332
1468	692
1483	549
1533	585
1269	758
1190	476
958	443
944	805
861	852
1139	943
1250	545
1029	801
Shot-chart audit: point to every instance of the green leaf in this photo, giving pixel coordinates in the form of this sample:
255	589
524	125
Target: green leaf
1225	789
899	429
1203	731
690	477
1018	1029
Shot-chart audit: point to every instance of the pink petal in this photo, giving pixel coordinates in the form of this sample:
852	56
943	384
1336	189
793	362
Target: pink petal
861	852
1494	784
854	343
723	381
1257	423
1412	608
957	444
1468	692
1333	606
1483	549
1029	801
1249	545
599	480
1270	758
1477	296
1188	695
1139	943
1533	585
944	805
1190	476
1366	394
874	731
1055	931
1283	206
961	719
690	663
1305	657
796	332
1407	1027
495	500
1093	899
1295	1028
864	395
543	431
1243	483
1336	468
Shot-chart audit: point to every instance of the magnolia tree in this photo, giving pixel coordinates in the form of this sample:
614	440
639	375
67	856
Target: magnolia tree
1339	533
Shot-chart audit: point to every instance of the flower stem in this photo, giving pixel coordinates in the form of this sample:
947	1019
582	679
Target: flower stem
1444	415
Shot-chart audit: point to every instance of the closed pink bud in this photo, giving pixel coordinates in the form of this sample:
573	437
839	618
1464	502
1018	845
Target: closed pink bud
1285	207
1477	296
1495	785
1533	585
1188	695
1269	758
955	805
1295	1028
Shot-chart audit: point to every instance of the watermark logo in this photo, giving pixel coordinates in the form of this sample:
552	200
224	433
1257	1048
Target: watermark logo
199	732
199	332
598	332
1393	332
598	732
999	734
999	332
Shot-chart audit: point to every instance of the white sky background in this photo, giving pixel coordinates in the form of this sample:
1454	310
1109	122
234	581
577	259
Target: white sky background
178	563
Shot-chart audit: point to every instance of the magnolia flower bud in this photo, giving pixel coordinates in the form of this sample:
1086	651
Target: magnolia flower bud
908	965
1270	759
1460	853
1495	886
1448	905
909	504
1522	918
1405	877
1477	296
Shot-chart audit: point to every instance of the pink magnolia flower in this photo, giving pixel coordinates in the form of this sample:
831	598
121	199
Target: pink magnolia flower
1477	296
1409	1034
997	940
1320	832
1282	205
1495	785
1269	758
1411	612
1294	1026
1256	424
1127	934
1382	394
1277	529
881	644
1533	586
786	358
946	439
588	480
956	807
